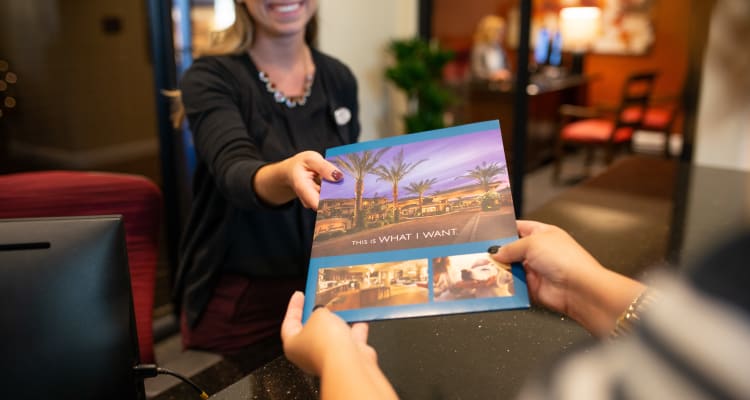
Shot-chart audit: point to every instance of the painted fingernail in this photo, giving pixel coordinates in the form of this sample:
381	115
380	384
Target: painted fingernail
493	249
337	175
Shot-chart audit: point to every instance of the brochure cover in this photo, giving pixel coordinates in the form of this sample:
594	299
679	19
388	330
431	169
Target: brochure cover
406	232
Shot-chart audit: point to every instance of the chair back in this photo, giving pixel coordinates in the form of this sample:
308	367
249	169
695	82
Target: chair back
76	193
634	102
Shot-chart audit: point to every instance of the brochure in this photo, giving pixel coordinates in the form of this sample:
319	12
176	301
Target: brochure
405	233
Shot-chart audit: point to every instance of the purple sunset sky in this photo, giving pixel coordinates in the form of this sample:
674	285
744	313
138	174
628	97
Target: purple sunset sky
446	158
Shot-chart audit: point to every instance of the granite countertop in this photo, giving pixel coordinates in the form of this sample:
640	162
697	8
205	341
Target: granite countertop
626	217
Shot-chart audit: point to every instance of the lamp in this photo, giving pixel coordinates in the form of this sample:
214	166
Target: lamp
579	27
223	14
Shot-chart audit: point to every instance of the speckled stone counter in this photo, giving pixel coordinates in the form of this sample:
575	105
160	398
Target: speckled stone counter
622	217
628	218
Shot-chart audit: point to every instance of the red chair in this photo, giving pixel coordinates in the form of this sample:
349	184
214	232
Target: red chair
591	128
69	193
663	116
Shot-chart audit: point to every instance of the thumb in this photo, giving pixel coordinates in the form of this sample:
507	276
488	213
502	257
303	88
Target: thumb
360	331
292	323
512	252
324	168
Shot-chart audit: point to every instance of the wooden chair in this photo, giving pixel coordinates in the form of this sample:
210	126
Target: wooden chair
662	116
594	128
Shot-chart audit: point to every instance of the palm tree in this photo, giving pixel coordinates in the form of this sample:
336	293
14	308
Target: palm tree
484	173
394	173
419	188
358	165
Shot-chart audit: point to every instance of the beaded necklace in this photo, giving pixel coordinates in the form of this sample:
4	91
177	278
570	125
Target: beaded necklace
289	101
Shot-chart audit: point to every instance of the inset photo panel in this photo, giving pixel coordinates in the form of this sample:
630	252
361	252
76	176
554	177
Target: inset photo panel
373	285
470	276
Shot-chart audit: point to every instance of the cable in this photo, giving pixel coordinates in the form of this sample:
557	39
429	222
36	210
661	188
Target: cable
151	370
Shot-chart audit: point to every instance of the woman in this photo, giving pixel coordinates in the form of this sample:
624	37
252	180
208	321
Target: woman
488	58
262	109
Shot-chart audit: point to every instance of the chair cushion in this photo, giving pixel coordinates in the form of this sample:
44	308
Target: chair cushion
594	130
658	118
73	193
632	114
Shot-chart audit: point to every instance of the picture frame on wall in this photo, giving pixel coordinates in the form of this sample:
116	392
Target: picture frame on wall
626	27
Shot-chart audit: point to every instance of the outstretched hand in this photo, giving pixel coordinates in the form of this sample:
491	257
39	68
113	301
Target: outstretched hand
307	169
297	176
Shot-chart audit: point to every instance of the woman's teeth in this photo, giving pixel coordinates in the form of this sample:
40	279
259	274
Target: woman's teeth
286	7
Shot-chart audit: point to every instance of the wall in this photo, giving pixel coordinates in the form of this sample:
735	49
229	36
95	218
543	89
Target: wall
669	55
454	21
85	96
723	127
357	33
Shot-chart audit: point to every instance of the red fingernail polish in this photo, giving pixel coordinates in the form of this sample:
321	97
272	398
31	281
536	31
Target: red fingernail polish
337	175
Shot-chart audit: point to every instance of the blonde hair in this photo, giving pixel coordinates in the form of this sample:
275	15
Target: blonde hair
235	39
238	37
487	29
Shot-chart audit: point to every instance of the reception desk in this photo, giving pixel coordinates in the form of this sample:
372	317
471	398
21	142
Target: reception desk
640	213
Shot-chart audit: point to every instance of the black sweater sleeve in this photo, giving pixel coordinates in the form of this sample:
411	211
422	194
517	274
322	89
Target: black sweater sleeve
211	94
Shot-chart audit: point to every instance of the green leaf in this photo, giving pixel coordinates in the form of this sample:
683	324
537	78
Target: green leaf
417	70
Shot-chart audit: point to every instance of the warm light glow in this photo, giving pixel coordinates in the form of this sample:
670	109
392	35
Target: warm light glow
223	14
579	27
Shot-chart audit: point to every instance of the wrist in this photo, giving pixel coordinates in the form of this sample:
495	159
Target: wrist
345	355
283	174
631	317
272	183
598	300
582	291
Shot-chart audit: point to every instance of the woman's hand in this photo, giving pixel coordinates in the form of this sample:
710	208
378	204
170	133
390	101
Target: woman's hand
551	258
327	347
297	176
564	277
323	336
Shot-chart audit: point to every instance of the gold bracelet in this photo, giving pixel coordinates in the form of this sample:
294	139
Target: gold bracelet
627	321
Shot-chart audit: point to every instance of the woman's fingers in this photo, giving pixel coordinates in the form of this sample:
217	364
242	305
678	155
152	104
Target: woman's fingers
512	252
322	167
526	228
311	169
292	323
360	331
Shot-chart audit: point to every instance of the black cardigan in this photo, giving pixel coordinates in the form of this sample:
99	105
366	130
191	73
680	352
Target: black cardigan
237	128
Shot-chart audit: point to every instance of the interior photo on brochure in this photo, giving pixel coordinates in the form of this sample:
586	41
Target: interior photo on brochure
405	233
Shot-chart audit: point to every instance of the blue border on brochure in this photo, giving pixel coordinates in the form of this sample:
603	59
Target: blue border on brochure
519	300
415	137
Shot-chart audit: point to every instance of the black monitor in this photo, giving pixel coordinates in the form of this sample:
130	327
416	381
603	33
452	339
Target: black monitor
68	327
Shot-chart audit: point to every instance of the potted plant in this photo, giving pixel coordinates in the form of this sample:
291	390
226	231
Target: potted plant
417	70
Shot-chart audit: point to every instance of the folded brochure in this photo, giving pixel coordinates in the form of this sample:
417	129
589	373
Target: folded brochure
405	233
